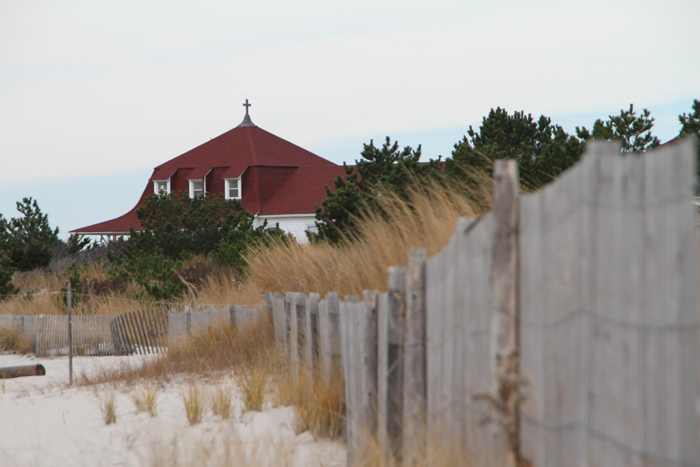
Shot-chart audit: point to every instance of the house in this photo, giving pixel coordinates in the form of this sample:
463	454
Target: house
275	180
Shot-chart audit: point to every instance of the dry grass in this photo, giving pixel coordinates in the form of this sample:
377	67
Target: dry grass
434	452
319	404
12	340
220	401
253	383
146	399
223	349
223	451
42	292
108	406
194	401
426	221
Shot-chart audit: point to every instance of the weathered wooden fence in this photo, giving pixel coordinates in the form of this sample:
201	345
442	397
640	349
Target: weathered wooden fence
145	331
561	327
141	331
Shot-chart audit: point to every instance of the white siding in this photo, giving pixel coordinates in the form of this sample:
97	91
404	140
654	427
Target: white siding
295	225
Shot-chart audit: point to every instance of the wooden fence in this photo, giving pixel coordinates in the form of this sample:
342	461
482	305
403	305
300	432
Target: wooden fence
145	331
560	328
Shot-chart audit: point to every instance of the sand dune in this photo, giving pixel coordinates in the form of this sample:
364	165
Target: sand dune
43	422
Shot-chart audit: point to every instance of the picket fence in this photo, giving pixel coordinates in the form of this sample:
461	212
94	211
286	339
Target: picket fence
141	332
561	328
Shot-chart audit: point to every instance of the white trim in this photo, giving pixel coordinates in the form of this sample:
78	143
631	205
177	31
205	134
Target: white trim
155	186
127	233
226	188
204	186
266	216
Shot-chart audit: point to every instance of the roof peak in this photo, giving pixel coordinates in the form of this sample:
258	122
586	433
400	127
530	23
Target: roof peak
246	120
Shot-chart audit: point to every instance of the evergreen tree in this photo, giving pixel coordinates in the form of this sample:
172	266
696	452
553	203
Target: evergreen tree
632	130
690	125
542	150
6	274
176	227
27	240
388	167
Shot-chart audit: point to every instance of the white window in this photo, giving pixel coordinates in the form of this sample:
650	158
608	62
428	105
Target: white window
161	186
233	188
197	188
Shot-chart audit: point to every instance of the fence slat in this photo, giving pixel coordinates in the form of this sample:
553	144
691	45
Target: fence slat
324	340
414	390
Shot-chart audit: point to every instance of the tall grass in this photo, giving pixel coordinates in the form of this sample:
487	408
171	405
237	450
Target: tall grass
426	220
12	340
319	403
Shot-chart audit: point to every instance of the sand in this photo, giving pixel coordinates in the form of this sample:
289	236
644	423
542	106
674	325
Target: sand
43	422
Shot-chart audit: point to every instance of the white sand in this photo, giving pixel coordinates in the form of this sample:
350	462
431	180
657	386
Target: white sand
45	423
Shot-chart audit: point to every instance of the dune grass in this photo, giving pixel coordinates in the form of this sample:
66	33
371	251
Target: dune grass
252	383
427	221
195	402
220	401
145	399
12	340
108	407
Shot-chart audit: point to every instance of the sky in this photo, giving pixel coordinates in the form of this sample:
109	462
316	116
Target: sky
94	95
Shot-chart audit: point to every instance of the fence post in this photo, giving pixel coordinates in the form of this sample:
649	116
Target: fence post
38	335
324	340
414	387
188	320
390	364
311	333
336	349
505	333
268	303
70	334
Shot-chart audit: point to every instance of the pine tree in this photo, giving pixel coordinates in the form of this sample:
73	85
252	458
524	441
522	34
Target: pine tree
542	150
388	167
633	131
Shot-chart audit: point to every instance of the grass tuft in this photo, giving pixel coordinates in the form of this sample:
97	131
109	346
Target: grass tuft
146	399
194	402
252	384
221	401
108	406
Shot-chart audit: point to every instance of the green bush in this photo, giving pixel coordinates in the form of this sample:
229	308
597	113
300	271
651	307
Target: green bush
176	228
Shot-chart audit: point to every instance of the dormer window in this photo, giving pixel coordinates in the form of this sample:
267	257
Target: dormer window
197	188
233	188
161	186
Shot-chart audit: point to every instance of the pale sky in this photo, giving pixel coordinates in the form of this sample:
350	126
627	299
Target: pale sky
93	95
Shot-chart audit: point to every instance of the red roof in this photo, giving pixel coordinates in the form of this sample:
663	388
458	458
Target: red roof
277	177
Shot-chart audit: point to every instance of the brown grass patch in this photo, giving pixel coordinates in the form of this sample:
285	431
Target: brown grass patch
319	404
222	349
426	221
12	340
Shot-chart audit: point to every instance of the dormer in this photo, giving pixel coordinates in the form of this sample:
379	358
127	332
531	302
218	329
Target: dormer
161	186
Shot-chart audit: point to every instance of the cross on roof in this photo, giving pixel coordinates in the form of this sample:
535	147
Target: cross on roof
246	105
